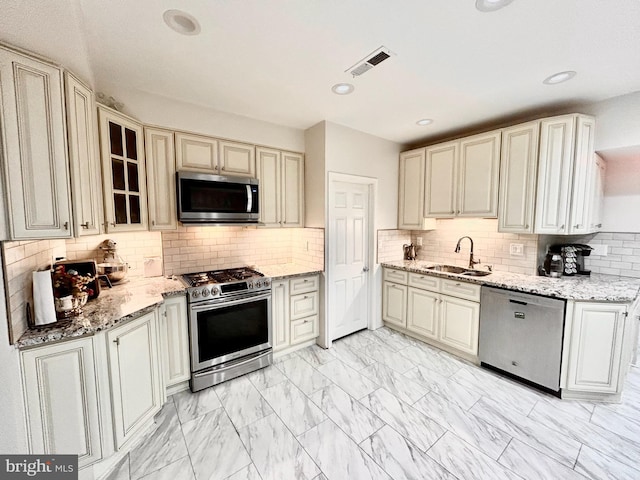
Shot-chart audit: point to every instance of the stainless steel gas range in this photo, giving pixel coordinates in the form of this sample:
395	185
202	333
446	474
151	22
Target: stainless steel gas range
229	324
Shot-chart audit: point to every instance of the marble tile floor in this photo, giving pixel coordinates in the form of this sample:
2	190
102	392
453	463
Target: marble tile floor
380	405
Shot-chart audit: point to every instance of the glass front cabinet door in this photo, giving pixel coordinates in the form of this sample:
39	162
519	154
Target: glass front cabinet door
123	172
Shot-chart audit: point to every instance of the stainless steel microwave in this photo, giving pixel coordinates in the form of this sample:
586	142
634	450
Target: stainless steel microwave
216	199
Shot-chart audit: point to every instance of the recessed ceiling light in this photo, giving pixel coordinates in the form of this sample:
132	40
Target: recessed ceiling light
424	121
342	88
491	5
559	77
181	22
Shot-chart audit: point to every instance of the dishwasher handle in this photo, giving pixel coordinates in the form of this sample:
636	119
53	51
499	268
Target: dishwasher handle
518	302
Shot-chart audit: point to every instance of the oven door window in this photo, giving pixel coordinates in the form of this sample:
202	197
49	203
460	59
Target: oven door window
226	330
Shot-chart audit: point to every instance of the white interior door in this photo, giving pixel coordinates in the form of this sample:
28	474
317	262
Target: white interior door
348	261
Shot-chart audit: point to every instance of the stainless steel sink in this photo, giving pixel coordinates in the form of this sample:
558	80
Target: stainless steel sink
458	270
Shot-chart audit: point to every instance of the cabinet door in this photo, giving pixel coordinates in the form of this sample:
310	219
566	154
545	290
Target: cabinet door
84	157
583	171
34	148
441	180
175	341
135	375
123	172
597	195
304	329
291	191
62	400
268	169
411	190
596	347
518	170
394	304
161	174
423	312
196	153
460	320
303	305
280	314
237	159
555	169
478	175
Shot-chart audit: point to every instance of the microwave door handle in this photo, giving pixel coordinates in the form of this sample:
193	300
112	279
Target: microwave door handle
249	199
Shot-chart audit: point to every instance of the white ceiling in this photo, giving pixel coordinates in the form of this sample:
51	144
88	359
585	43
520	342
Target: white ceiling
276	60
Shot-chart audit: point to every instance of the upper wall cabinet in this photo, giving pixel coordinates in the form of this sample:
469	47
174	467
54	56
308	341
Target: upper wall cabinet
564	172
281	176
411	190
84	157
123	172
518	167
197	153
161	187
462	177
34	147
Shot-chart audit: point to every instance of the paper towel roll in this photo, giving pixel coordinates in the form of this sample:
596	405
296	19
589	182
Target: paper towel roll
43	306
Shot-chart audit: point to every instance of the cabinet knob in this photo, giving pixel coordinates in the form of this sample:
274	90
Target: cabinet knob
599	225
113	224
458	212
66	225
577	226
365	269
117	341
526	226
561	227
85	225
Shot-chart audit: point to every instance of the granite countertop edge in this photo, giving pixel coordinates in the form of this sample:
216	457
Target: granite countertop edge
597	287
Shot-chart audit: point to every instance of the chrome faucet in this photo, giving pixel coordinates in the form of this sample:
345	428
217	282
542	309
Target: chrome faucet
472	262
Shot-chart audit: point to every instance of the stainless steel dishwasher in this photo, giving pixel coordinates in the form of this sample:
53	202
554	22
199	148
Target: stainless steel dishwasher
521	334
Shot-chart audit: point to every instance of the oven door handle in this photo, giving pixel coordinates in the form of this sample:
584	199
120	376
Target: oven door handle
229	303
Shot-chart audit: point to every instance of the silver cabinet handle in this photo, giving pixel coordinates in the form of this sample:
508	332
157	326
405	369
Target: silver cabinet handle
117	341
85	225
577	226
526	226
562	227
66	225
365	269
599	225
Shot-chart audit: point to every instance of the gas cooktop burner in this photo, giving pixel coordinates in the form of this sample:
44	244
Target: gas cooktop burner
220	276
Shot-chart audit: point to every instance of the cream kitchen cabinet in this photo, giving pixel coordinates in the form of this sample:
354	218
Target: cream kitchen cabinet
196	153
237	159
564	174
61	399
134	370
441	311
161	171
597	193
462	177
84	157
174	341
518	170
123	171
411	190
596	348
281	176
295	311
34	148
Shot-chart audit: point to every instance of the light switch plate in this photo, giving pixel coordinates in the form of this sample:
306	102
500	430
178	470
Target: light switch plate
419	241
516	249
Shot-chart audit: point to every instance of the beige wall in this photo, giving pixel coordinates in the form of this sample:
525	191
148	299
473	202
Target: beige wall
315	176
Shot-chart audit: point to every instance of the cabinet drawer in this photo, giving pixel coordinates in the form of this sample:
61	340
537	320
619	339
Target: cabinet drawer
303	305
424	281
396	276
303	284
458	289
304	329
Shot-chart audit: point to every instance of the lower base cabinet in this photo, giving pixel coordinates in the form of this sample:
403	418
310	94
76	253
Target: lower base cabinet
61	398
459	324
174	341
294	311
135	375
423	312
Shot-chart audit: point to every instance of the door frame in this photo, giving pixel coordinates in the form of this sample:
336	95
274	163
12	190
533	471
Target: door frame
325	339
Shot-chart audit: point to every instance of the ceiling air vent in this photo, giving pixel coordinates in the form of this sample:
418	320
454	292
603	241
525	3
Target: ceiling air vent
367	63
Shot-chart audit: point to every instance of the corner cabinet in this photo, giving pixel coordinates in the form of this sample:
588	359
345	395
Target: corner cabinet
411	190
518	169
161	173
61	399
134	375
123	172
281	177
34	147
84	157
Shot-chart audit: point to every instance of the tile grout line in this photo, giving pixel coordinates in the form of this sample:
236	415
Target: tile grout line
575	464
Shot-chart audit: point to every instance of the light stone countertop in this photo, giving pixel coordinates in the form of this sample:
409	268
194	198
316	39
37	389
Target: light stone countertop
594	287
112	307
286	270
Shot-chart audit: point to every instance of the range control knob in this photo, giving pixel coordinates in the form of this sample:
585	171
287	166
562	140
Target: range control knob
215	291
258	283
249	285
266	282
195	294
205	292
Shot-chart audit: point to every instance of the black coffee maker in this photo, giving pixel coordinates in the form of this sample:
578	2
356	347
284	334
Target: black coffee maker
573	257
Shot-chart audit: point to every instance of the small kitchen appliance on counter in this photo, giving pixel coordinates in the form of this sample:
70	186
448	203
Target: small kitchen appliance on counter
229	324
572	255
113	267
409	251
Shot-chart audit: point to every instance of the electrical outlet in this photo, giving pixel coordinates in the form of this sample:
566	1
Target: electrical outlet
601	250
419	241
516	249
